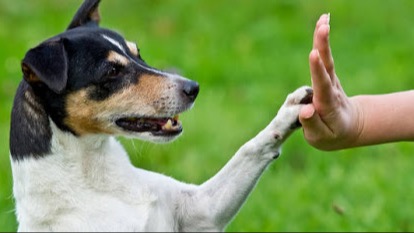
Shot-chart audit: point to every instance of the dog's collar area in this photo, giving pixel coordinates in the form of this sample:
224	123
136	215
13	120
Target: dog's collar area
166	126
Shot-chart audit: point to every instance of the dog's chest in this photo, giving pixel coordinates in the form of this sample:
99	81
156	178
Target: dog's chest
102	194
93	212
103	213
67	207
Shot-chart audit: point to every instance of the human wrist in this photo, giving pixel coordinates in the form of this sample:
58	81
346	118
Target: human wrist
356	136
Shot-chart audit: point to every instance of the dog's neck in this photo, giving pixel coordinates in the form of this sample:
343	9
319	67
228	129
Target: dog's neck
84	159
73	167
34	134
77	172
77	147
42	151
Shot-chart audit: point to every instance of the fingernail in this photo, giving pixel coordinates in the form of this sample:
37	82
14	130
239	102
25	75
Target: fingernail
328	18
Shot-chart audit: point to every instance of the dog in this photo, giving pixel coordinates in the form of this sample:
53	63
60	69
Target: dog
81	89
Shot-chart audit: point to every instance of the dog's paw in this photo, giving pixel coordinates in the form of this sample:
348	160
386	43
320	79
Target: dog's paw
301	96
286	121
287	118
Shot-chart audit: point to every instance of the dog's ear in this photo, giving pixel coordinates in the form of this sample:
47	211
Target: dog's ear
88	14
47	64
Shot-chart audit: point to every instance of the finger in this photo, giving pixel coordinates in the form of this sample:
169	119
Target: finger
323	20
323	46
313	126
321	81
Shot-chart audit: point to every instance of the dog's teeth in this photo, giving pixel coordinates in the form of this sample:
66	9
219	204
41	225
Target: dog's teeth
168	125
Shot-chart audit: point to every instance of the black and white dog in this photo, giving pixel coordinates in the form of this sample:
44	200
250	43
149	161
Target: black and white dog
85	86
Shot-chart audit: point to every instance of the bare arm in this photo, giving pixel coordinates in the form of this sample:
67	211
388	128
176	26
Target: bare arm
335	121
385	118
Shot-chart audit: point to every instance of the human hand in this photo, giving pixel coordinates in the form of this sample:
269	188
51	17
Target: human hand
331	121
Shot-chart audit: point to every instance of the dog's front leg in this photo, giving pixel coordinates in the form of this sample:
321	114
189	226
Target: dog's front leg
214	203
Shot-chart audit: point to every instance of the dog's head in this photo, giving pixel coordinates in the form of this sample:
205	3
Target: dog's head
90	80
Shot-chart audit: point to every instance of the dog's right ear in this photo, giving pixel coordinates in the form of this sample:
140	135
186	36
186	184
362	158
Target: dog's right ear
88	14
47	64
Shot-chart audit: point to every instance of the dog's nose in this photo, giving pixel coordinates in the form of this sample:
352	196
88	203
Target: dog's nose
191	89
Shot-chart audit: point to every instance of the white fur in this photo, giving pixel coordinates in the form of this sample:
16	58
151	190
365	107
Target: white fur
114	42
88	184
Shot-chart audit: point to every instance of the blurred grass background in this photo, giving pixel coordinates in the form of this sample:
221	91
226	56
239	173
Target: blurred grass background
248	55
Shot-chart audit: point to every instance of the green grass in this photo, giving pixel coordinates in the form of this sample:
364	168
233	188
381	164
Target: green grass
248	55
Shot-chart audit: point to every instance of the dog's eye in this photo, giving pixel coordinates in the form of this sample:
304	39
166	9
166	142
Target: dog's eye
114	71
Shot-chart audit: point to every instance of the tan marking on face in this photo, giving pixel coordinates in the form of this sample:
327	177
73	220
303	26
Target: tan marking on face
132	47
117	58
81	115
86	116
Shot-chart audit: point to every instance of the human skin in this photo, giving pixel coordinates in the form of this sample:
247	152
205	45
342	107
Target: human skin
335	121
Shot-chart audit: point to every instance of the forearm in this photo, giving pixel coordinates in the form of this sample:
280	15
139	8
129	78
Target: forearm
384	118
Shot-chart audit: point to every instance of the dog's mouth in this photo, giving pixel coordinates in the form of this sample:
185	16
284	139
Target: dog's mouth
165	126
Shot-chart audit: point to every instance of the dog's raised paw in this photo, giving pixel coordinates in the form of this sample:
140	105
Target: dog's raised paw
302	95
290	109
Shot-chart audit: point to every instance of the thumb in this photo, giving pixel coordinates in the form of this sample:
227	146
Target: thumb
306	113
313	126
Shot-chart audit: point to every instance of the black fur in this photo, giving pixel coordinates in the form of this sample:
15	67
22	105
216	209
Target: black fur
86	15
48	63
30	131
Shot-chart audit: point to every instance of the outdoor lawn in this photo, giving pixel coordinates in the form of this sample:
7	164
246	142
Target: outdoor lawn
247	56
